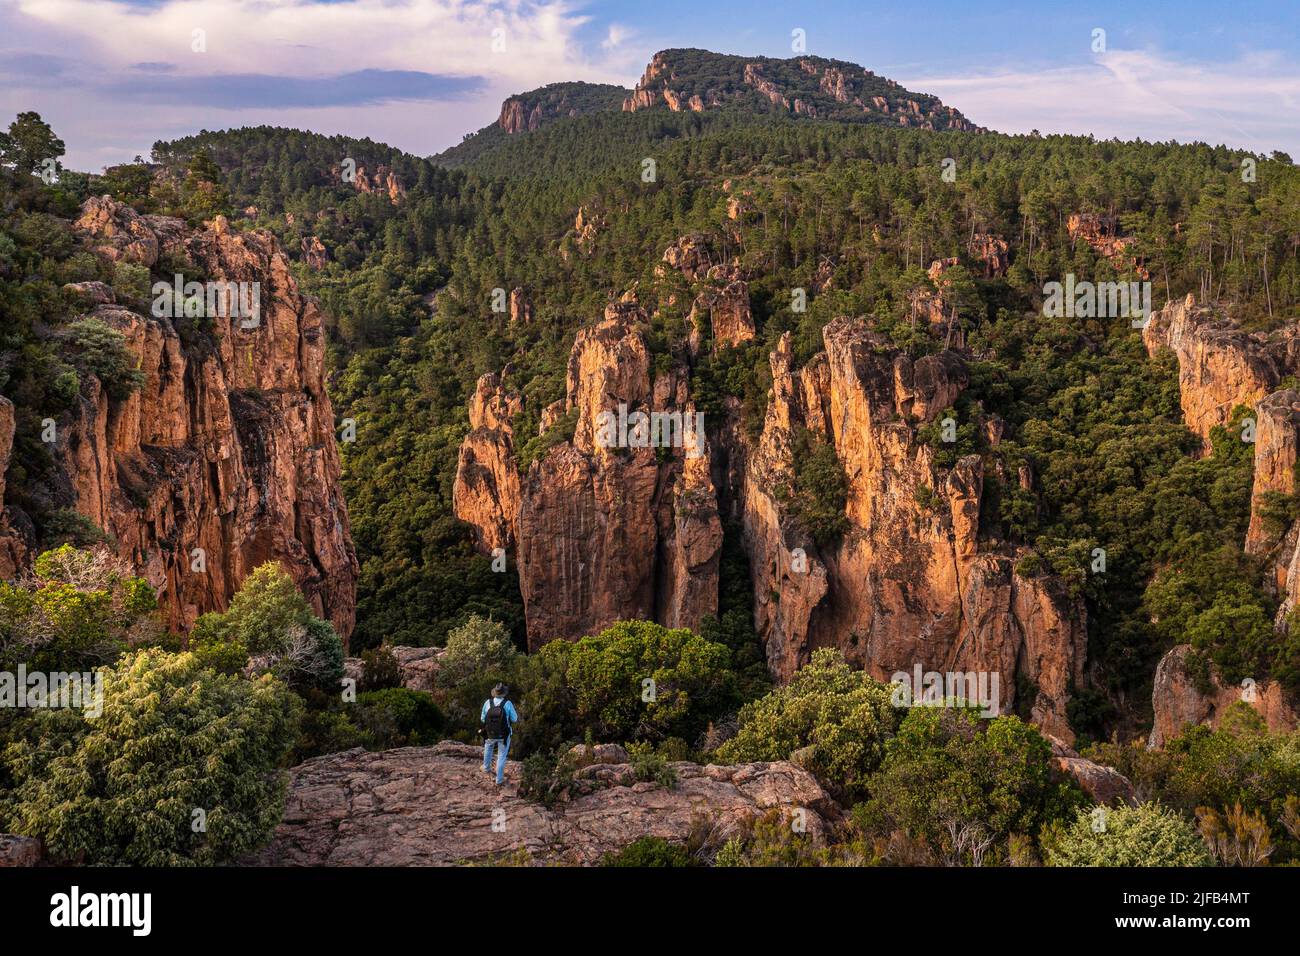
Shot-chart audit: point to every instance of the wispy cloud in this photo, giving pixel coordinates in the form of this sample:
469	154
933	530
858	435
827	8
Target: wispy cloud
144	71
1247	103
270	91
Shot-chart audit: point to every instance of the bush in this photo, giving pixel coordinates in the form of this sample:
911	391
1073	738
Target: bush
961	785
602	684
101	350
398	717
271	622
651	766
380	669
174	738
770	840
843	715
1146	835
480	649
649	851
820	490
82	608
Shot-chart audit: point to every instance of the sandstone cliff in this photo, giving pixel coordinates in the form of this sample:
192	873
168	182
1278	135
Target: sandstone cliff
1179	704
906	585
15	540
434	806
811	86
229	445
1221	366
600	533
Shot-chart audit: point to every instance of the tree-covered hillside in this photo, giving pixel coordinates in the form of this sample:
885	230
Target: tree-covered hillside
851	212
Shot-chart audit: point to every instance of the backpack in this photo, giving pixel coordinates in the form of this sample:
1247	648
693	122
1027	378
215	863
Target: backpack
496	726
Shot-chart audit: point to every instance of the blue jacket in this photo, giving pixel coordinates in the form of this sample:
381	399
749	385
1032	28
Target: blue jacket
511	714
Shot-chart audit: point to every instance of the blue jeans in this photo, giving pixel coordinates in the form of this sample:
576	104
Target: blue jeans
503	748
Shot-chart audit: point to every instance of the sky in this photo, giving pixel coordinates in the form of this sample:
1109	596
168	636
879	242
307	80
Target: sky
114	76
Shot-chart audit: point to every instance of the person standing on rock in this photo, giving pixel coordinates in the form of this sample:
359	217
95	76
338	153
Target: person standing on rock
498	720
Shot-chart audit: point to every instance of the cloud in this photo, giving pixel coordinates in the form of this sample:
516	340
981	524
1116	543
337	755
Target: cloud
1247	103
274	91
616	36
417	74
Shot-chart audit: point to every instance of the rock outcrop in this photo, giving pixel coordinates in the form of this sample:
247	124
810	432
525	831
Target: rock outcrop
1104	785
225	458
726	303
382	181
602	531
15	540
906	584
486	491
808	86
1102	234
992	252
417	666
314	253
434	806
1221	367
19	851
1178	703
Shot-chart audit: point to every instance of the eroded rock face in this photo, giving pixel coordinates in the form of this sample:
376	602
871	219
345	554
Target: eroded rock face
992	251
229	445
314	253
1105	785
1219	365
486	492
434	806
14	544
600	533
1178	703
905	585
383	181
1102	233
16	851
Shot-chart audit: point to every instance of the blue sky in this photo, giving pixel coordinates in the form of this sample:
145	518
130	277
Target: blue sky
114	76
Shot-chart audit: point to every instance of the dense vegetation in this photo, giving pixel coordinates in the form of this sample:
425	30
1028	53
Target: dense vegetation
849	213
1094	419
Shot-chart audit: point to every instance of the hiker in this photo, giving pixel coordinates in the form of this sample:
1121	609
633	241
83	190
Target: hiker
498	719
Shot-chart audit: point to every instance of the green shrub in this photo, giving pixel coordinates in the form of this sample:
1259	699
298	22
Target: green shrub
843	715
1146	835
480	649
271	624
101	350
174	738
961	784
603	684
820	491
651	766
84	607
399	717
380	669
770	840
649	851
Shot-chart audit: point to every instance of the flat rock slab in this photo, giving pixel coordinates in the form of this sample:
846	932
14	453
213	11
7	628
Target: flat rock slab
434	806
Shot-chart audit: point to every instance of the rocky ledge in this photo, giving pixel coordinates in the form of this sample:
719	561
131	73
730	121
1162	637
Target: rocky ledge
434	806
